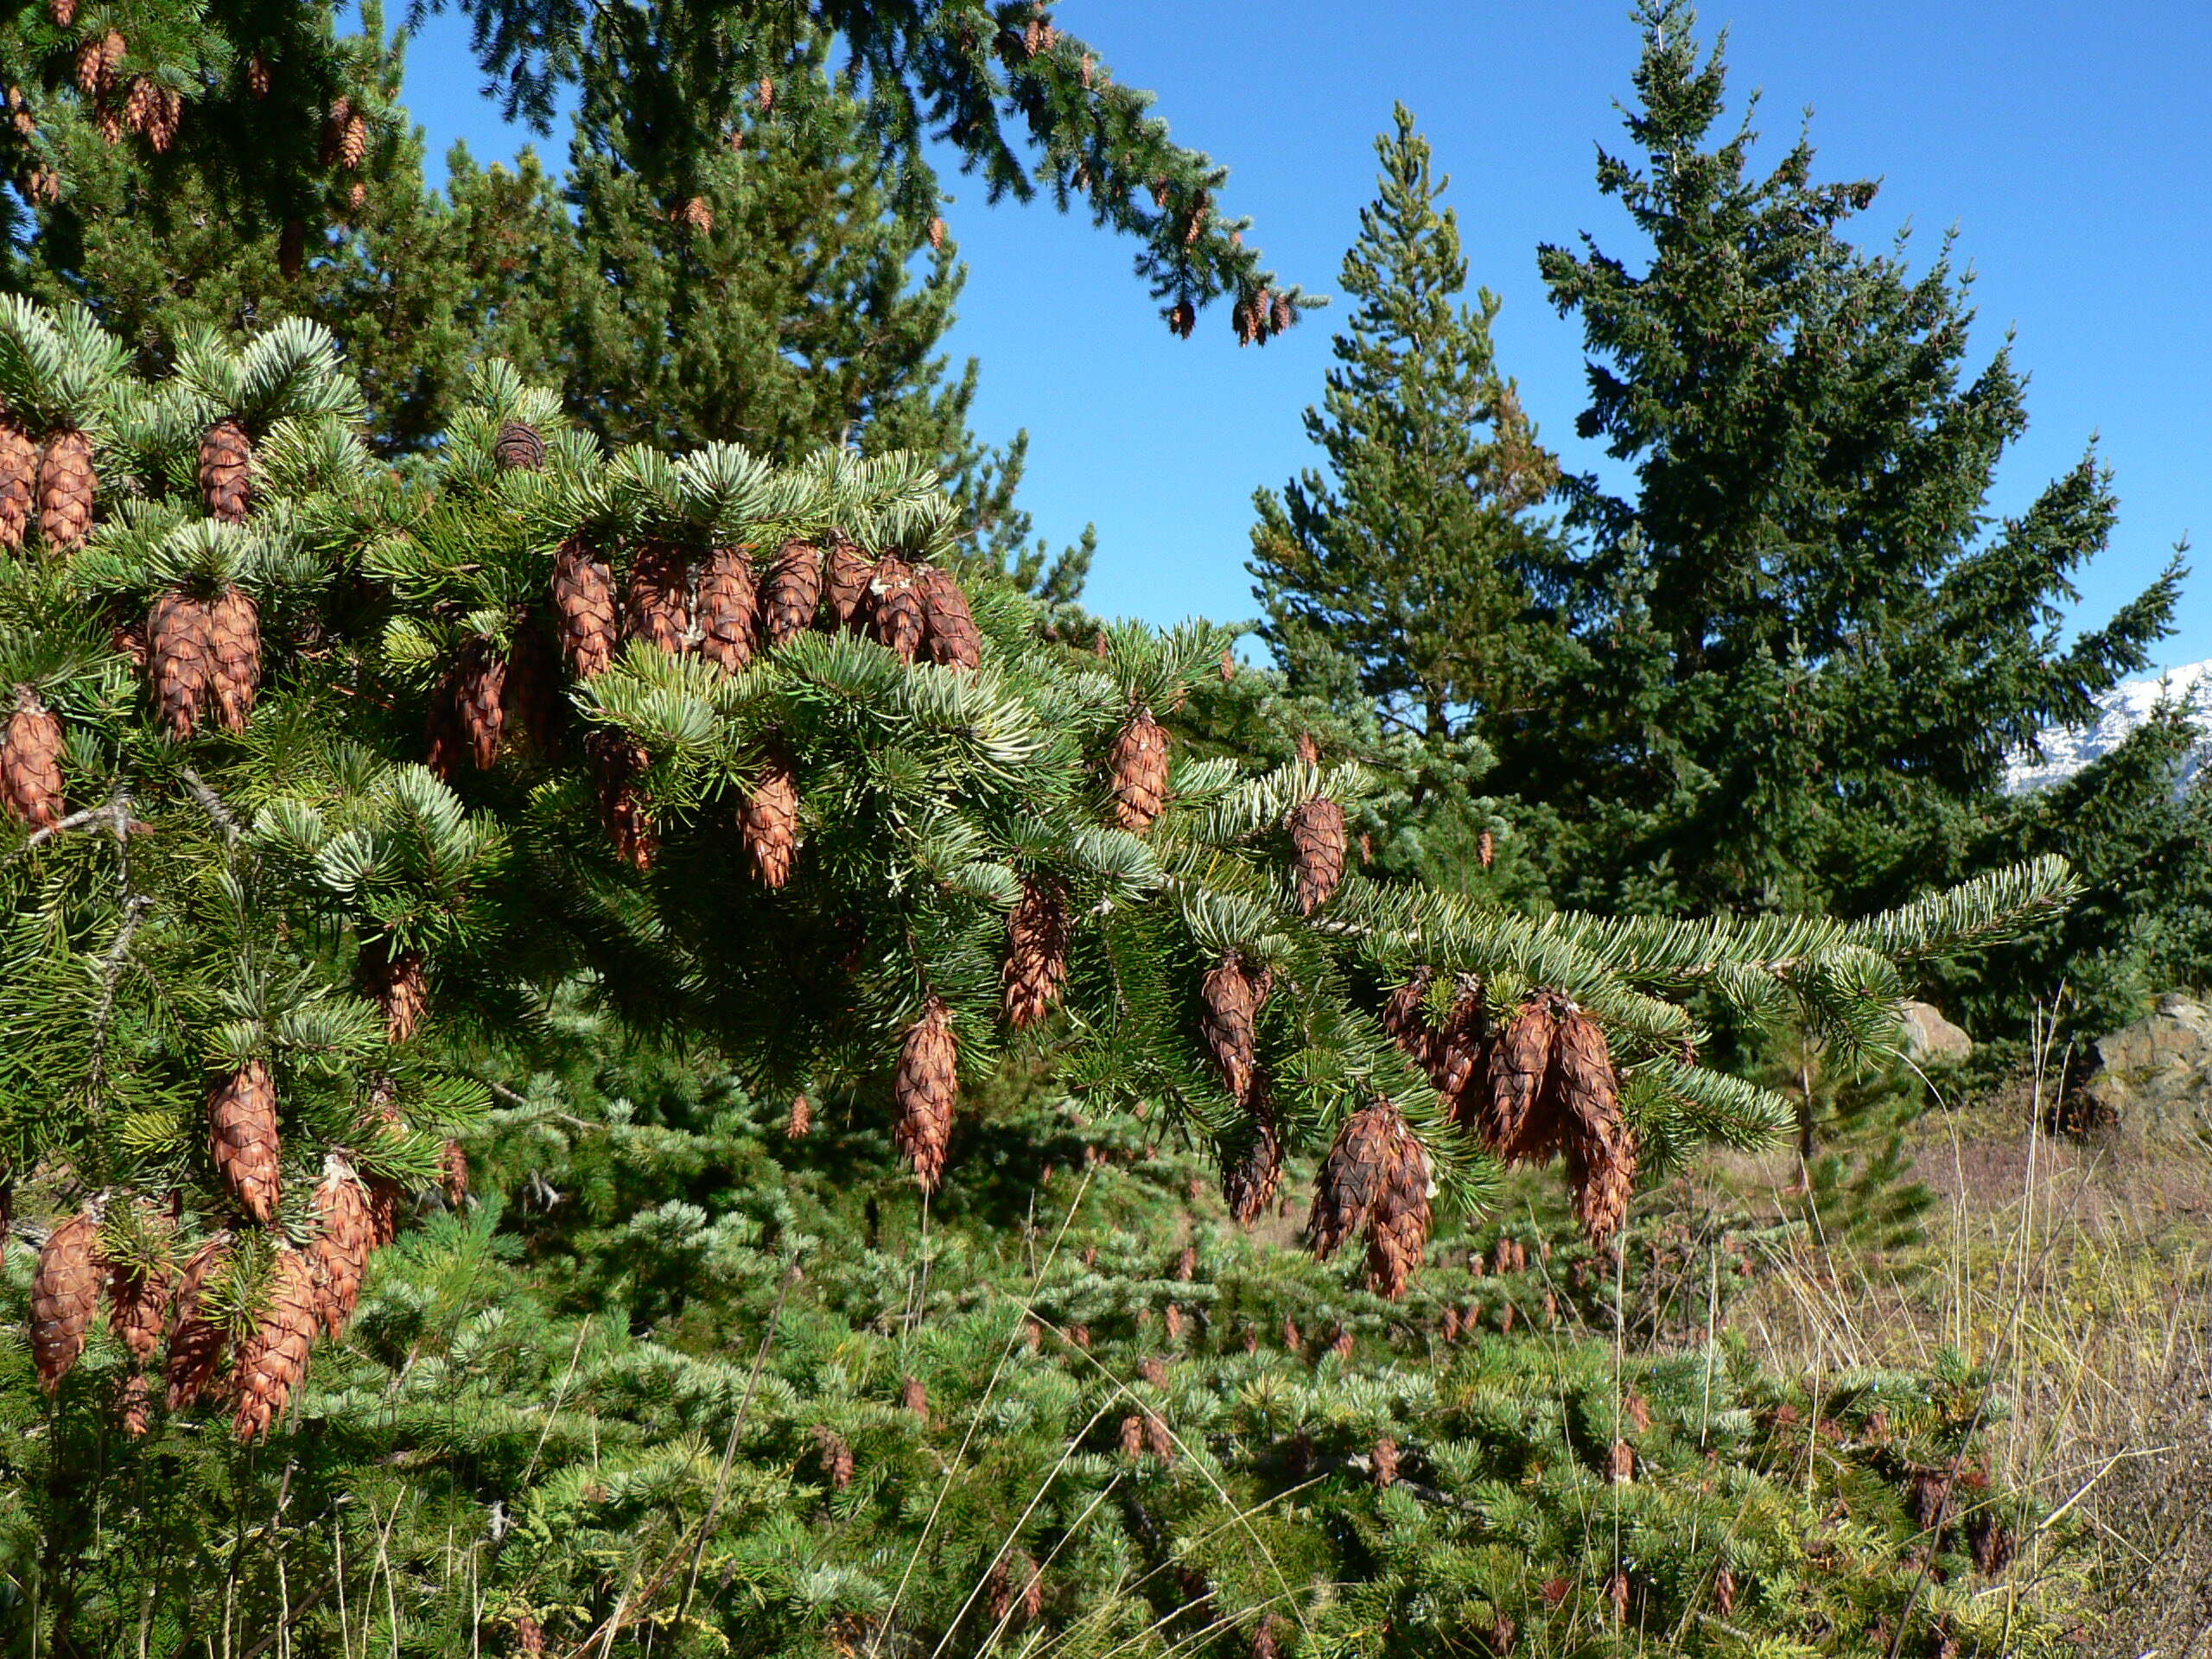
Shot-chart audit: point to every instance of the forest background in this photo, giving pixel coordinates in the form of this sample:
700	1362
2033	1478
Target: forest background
1728	672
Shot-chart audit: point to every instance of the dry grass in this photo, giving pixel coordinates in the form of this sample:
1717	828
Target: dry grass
2076	1271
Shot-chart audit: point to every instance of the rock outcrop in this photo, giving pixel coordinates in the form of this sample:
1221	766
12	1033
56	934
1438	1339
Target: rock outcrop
2153	1079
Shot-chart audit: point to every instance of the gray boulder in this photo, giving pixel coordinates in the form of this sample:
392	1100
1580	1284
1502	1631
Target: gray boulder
2153	1079
1929	1036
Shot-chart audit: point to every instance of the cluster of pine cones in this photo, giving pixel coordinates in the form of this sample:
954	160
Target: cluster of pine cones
309	1289
1535	1085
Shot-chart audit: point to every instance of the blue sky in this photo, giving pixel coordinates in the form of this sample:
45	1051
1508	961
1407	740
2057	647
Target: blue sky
2067	145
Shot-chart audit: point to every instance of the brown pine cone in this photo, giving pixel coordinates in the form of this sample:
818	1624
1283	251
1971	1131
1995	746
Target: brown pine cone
271	1362
1250	1179
30	764
65	1294
242	1119
226	470
530	1636
518	448
729	608
1397	1238
181	651
18	482
895	616
134	1409
1157	1440
1353	1176
347	1235
396	983
1601	1168
196	1338
1405	1018
349	136
791	593
915	1398
1230	1000
138	1308
953	639
768	818
1386	1461
1138	760
837	1461
234	643
536	712
66	489
800	1123
1132	1438
64	12
927	1088
583	599
452	1175
849	574
479	686
257	80
1460	1054
1037	951
1317	839
660	607
618	763
1517	1117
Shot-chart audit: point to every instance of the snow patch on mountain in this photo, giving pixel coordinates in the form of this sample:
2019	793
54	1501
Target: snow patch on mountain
2123	709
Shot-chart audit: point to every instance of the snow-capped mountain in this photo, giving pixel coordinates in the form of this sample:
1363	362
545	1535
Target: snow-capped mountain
2126	707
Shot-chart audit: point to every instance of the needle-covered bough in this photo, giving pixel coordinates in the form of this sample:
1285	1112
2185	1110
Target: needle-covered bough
322	777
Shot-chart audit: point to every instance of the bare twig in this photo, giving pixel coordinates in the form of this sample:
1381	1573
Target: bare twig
212	803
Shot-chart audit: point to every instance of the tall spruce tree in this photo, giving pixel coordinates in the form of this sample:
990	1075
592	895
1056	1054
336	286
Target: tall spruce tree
1401	579
1807	643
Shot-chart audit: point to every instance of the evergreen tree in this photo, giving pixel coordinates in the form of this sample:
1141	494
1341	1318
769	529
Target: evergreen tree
1402	580
1805	642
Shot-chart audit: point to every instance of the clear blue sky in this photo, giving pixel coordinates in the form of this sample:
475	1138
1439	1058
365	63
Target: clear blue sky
2067	144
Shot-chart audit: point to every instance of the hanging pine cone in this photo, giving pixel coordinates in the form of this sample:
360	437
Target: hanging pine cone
768	818
1250	1179
18	482
65	1294
1140	769
64	13
895	616
953	639
452	1175
1397	1237
181	652
138	1308
197	1339
30	764
394	979
271	1362
791	593
1352	1177
234	643
618	765
837	1462
226	470
915	1398
800	1123
518	448
1157	1438
660	607
1460	1053
583	599
258	79
242	1120
530	1636
846	587
927	1088
1172	1321
1601	1151
1037	951
66	489
536	712
1517	1115
729	608
1229	1006
1405	1018
1132	1437
345	1237
1317	839
473	717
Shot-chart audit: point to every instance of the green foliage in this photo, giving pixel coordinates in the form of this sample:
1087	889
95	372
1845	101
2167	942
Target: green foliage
1400	583
613	1406
1804	641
